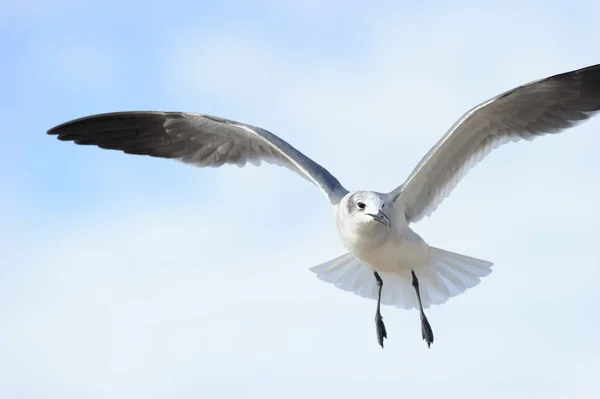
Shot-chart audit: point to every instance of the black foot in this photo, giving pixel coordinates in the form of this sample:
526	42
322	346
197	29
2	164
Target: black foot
426	331
381	332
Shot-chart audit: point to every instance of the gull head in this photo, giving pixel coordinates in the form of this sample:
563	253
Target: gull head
364	210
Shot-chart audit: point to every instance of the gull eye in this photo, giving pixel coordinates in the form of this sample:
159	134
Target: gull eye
361	205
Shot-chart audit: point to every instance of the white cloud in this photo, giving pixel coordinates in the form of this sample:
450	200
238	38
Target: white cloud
76	63
314	9
30	9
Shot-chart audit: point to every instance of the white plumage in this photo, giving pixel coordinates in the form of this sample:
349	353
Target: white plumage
447	275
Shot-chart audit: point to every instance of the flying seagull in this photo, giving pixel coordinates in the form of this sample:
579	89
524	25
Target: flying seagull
383	251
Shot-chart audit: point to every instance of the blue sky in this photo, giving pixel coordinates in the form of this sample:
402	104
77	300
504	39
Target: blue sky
130	277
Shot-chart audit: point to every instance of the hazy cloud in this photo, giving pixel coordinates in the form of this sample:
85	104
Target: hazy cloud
151	279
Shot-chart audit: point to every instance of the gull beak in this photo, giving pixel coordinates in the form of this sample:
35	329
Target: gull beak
381	218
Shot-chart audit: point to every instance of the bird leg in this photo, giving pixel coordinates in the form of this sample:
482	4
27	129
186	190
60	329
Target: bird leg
426	330
381	333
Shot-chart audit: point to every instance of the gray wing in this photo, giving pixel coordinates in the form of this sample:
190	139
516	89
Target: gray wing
549	105
201	140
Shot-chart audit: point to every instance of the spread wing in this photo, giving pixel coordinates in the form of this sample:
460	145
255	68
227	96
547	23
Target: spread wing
201	140
545	106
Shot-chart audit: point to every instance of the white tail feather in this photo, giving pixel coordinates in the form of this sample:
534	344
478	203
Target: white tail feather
447	274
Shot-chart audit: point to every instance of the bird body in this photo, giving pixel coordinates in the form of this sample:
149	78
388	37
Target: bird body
386	260
384	249
394	252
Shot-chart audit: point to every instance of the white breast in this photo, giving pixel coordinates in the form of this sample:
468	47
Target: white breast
382	249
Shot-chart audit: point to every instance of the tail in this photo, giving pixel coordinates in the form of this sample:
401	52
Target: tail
447	275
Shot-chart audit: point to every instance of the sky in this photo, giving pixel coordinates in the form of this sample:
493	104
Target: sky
130	277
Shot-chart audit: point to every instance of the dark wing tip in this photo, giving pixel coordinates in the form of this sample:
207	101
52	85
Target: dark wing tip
133	132
591	72
586	84
87	122
592	69
581	87
588	78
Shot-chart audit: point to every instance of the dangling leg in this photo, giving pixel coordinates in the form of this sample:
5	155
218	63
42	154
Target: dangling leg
381	333
426	330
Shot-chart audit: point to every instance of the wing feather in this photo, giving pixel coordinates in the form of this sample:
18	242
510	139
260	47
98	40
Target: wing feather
546	106
198	139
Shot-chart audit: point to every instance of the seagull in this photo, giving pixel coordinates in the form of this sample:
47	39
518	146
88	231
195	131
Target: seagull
374	227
